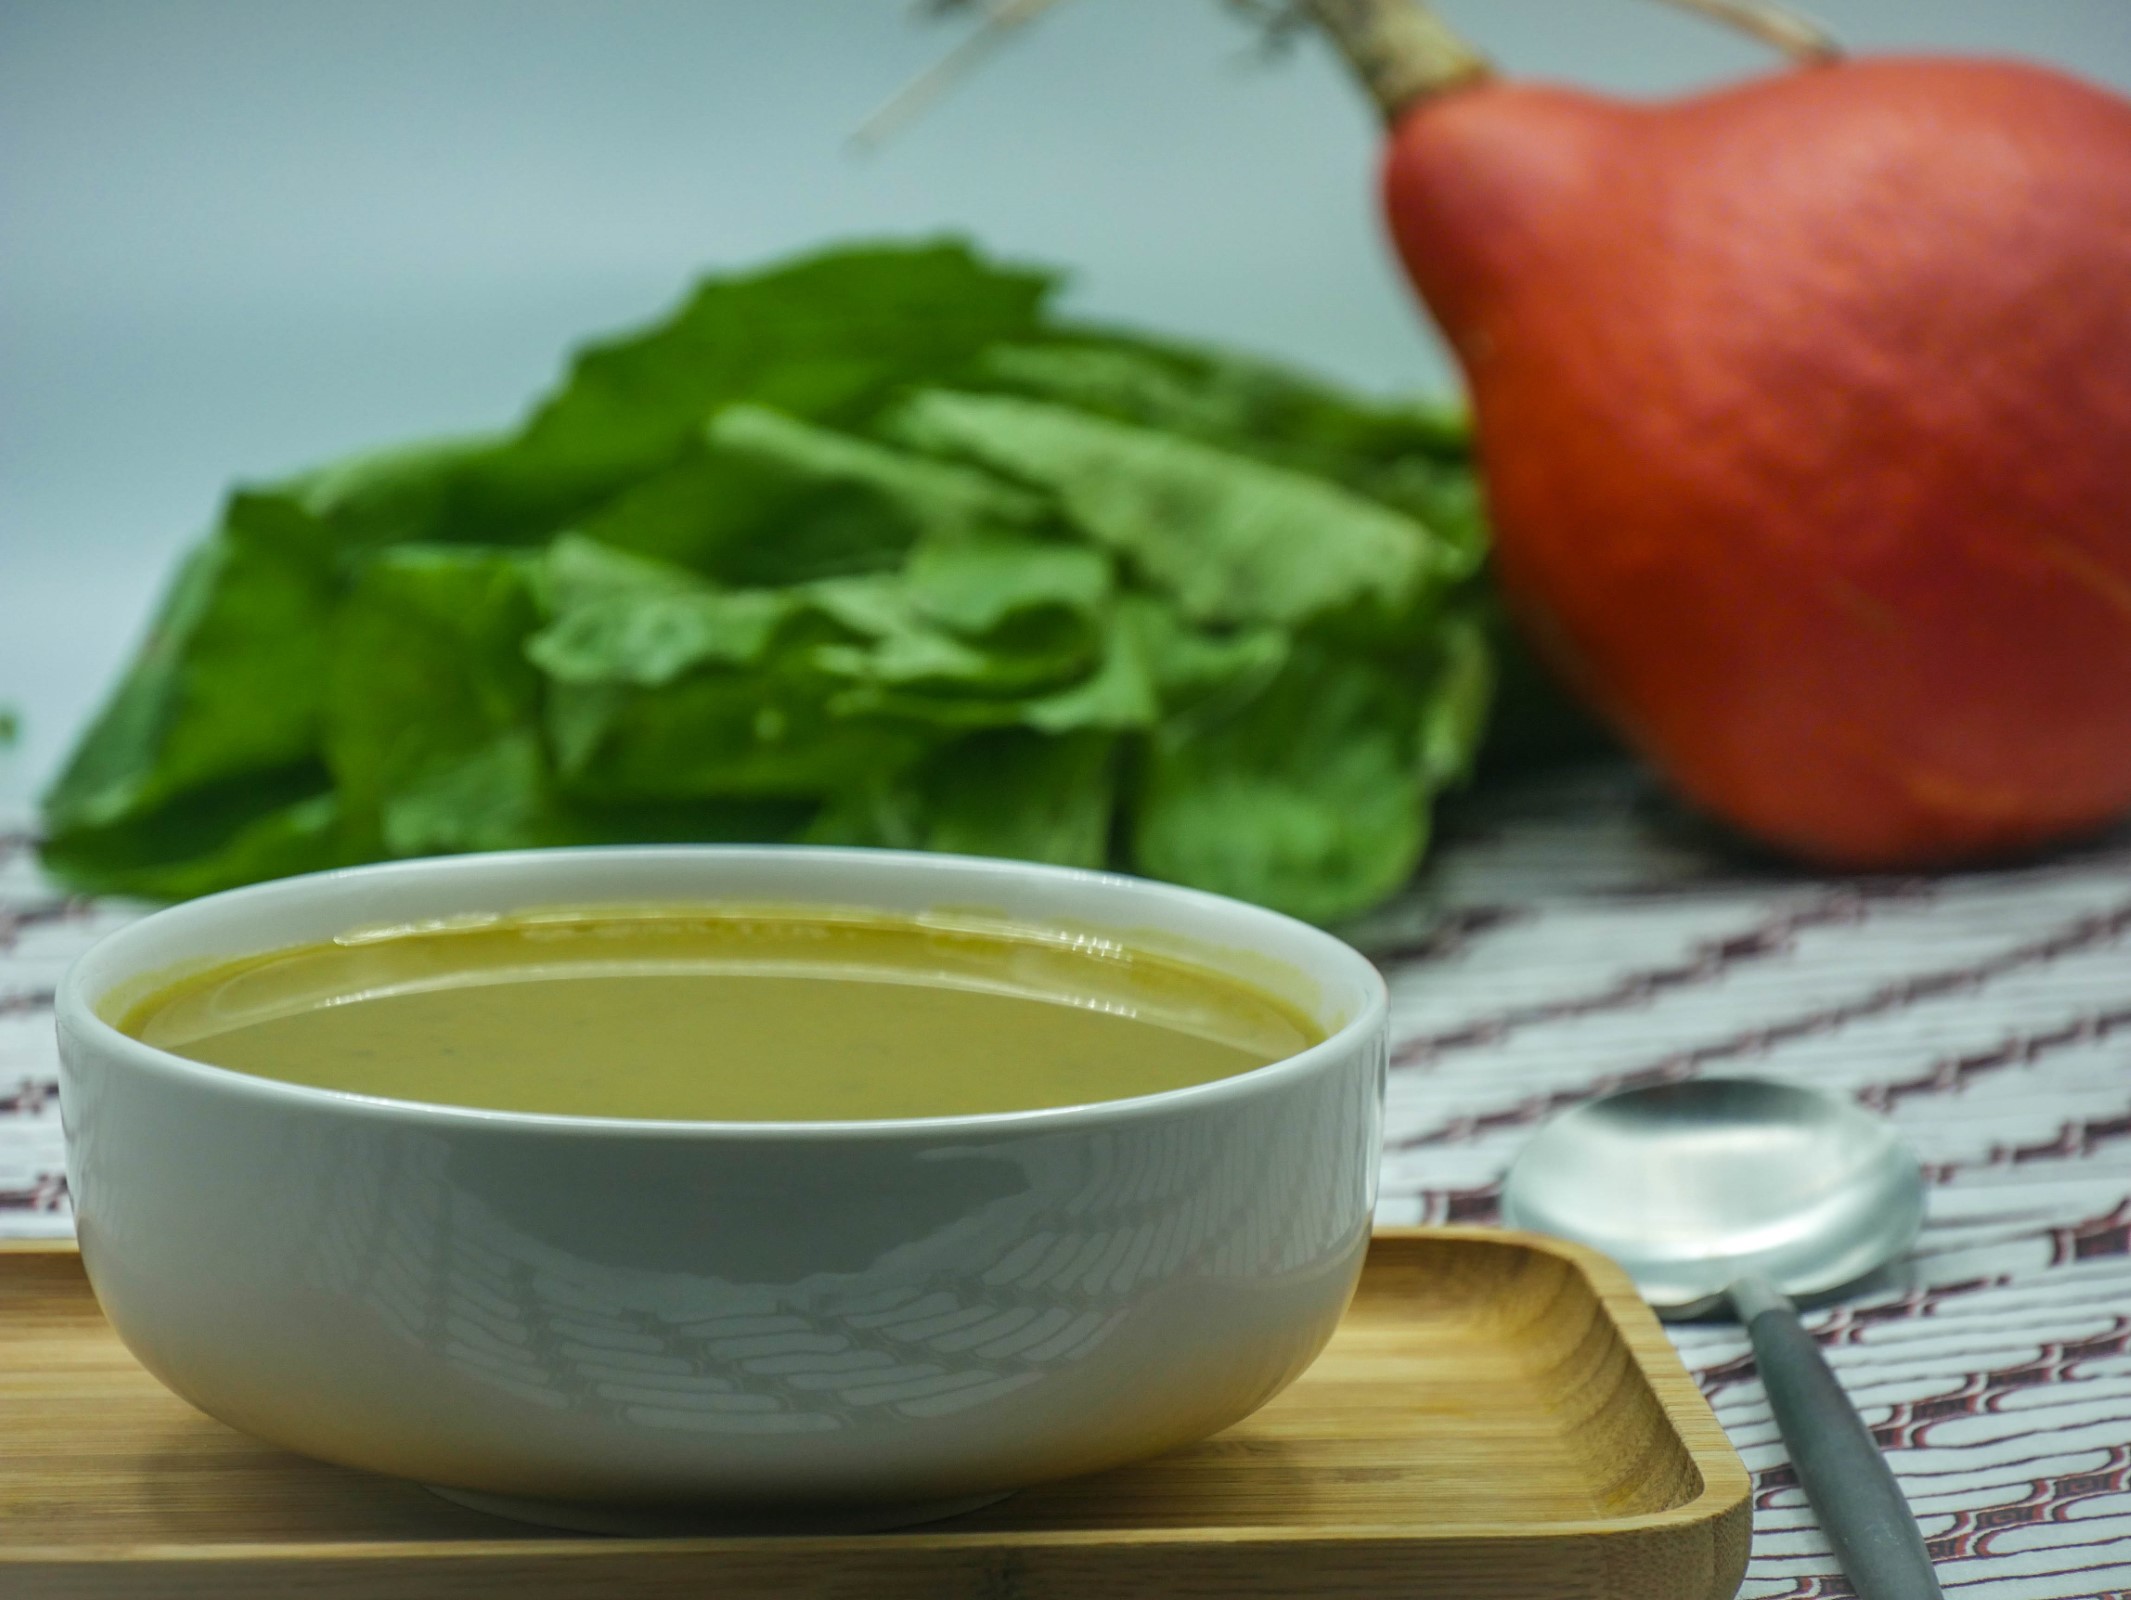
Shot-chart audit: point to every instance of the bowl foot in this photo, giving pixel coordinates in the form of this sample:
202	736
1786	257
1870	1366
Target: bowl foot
672	1522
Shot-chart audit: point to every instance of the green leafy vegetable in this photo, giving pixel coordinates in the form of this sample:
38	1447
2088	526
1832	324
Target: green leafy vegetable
1311	796
1011	793
826	338
432	705
1411	456
1233	539
248	608
840	503
619	619
867	549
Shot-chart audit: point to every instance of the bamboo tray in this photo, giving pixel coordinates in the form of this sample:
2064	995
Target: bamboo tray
1498	1418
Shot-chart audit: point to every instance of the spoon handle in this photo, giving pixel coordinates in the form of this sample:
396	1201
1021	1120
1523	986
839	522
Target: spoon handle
1852	1490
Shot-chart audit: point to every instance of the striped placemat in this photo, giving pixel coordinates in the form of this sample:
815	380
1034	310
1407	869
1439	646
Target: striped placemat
1573	935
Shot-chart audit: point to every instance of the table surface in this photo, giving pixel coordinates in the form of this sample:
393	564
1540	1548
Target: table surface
1574	934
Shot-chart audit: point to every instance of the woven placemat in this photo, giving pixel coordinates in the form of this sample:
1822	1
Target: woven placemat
1574	934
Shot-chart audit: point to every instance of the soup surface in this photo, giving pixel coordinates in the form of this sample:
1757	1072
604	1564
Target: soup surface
709	1014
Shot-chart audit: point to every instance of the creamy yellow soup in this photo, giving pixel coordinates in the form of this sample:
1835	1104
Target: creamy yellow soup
709	1014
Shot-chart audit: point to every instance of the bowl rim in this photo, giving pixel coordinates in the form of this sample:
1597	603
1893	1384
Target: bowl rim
75	1011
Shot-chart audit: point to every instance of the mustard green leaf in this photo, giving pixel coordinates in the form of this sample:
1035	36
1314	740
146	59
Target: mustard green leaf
716	735
867	546
428	672
228	680
1007	793
826	338
268	825
1311	798
1234	539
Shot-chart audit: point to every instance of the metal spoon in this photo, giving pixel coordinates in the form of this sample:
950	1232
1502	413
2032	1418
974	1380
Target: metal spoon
1753	1191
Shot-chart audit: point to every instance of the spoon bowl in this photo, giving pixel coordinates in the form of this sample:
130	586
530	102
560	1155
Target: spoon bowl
1694	1186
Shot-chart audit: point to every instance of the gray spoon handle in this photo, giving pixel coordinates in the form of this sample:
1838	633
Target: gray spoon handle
1852	1490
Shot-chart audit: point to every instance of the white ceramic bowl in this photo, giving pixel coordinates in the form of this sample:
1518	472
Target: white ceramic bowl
561	1317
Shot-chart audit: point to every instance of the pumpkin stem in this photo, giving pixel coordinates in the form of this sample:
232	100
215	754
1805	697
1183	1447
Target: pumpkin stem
1790	31
1401	50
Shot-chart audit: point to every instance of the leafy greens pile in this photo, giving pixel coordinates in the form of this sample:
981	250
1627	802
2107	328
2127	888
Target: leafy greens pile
868	548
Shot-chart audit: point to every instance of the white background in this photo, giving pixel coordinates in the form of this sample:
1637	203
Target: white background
238	236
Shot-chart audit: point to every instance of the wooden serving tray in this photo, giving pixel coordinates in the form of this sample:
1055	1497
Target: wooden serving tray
1498	1418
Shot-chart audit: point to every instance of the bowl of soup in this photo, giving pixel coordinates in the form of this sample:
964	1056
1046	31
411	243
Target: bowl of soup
657	1186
